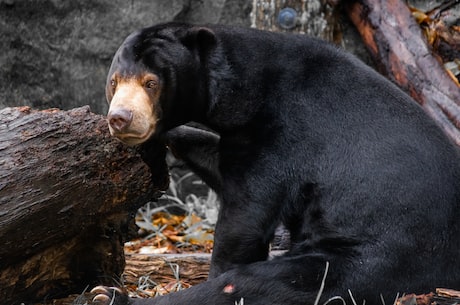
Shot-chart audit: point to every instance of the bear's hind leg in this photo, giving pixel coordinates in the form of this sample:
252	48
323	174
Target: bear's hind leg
281	281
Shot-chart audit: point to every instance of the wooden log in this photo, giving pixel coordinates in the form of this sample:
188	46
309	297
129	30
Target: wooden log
191	268
442	296
146	275
400	51
68	193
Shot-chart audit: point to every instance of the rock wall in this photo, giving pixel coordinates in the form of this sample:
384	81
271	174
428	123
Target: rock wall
56	53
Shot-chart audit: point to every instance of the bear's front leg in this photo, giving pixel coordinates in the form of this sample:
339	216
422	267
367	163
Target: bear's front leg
153	153
282	281
245	227
198	148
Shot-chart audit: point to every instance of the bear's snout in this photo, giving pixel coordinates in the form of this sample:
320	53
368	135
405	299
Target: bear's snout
120	119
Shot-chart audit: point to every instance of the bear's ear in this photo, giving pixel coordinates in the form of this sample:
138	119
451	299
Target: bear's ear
200	39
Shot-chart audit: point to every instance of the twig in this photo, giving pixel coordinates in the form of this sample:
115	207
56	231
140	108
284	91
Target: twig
321	288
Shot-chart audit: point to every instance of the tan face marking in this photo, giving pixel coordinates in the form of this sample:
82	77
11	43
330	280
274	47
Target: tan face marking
134	110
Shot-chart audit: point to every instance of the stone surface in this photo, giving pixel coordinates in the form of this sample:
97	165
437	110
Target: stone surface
57	53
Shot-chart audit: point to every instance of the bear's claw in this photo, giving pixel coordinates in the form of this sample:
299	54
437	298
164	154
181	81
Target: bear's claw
109	296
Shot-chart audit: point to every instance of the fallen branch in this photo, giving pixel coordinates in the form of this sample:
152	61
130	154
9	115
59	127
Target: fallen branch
400	51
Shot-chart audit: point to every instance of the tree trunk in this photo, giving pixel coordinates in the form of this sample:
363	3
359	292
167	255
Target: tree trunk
68	193
312	17
396	43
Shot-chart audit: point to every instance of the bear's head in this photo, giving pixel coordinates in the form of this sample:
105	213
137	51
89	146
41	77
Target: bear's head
157	80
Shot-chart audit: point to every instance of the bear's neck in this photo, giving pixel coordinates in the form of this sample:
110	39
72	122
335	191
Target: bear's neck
228	94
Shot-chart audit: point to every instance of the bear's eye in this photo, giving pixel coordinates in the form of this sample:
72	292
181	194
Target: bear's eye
113	83
151	84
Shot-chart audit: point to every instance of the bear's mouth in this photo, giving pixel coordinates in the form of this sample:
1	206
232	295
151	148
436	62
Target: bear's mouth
132	138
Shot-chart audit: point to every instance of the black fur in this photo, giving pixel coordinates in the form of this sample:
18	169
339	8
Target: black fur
199	149
312	138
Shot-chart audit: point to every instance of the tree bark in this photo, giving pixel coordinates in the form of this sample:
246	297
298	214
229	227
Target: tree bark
313	17
396	43
68	193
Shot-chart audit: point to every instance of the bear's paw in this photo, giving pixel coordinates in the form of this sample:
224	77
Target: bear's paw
110	296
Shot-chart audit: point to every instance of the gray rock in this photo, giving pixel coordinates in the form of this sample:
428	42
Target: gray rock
57	53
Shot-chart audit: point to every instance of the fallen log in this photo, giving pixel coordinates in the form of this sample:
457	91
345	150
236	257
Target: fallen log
400	51
68	193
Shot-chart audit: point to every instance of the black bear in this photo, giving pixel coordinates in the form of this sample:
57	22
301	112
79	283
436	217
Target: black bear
308	136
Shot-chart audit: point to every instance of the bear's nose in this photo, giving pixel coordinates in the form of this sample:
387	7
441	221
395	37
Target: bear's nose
119	119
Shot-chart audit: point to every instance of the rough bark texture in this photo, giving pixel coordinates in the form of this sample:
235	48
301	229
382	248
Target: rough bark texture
400	51
313	17
68	192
